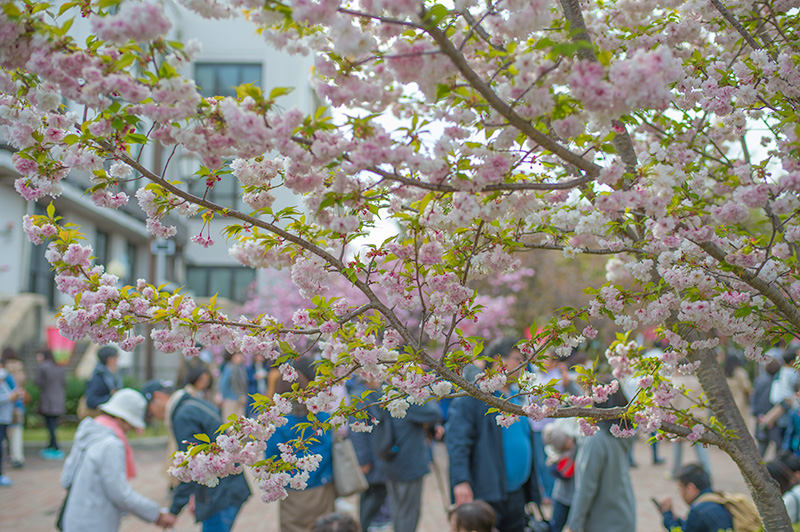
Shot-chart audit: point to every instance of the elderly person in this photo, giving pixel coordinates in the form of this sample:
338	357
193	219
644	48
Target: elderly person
603	500
98	469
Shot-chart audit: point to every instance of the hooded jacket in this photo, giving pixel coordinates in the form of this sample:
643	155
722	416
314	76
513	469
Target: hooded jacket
99	491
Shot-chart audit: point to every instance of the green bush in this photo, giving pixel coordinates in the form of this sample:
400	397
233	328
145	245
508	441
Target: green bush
74	390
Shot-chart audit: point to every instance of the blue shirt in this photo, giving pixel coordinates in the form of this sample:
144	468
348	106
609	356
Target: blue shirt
517	453
323	446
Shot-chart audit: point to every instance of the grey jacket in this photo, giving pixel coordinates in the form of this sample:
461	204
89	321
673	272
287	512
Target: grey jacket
100	493
50	379
603	499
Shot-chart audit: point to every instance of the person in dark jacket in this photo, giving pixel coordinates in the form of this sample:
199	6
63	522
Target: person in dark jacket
489	462
52	383
760	405
409	465
704	516
372	500
104	380
216	508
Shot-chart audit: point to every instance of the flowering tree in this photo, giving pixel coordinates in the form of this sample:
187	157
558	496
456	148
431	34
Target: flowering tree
663	134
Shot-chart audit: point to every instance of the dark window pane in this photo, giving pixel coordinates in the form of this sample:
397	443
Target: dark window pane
131	260
219	79
241	283
232	282
197	281
220	282
101	247
225	192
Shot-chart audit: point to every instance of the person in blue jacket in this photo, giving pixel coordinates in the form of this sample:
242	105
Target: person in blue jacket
301	508
216	508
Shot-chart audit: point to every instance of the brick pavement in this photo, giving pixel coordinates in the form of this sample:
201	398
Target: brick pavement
31	503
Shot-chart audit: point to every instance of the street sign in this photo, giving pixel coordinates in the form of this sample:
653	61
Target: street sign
162	246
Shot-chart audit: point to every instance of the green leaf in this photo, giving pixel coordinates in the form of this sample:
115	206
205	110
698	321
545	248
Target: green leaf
279	91
249	89
197	449
436	13
202	437
51	210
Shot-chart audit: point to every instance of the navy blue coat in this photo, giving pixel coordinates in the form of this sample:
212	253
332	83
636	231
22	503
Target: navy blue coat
194	416
475	446
413	455
362	441
101	385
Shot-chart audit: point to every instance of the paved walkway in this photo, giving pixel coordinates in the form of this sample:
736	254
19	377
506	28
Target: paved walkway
32	502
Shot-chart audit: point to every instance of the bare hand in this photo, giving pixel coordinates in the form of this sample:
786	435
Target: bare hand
438	433
366	468
166	520
462	493
666	505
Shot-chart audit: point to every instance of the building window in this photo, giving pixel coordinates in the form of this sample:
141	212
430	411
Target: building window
130	258
101	247
232	282
225	192
219	79
42	277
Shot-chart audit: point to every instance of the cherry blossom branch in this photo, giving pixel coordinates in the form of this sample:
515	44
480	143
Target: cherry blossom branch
580	33
727	15
587	251
497	187
785	307
473	78
255	326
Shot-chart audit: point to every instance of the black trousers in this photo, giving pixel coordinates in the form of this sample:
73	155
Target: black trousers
52	423
370	504
510	512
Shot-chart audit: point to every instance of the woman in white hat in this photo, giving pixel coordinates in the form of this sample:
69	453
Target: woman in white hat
99	466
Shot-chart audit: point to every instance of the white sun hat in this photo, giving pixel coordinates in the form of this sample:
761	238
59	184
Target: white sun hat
128	405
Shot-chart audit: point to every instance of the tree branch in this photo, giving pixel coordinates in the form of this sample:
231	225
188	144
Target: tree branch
473	78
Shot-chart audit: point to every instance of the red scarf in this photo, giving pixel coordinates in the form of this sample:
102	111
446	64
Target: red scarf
110	422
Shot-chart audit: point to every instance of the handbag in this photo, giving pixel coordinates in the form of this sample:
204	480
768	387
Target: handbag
348	479
60	520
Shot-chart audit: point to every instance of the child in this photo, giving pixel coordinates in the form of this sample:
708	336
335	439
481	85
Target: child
475	516
559	438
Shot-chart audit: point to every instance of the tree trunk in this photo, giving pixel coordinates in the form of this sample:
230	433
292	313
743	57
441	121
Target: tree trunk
742	448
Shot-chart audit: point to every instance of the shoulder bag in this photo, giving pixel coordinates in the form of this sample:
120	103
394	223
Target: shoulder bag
348	479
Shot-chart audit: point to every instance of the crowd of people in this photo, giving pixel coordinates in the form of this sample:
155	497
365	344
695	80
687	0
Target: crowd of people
501	476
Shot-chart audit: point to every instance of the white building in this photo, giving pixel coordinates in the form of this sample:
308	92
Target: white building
232	54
